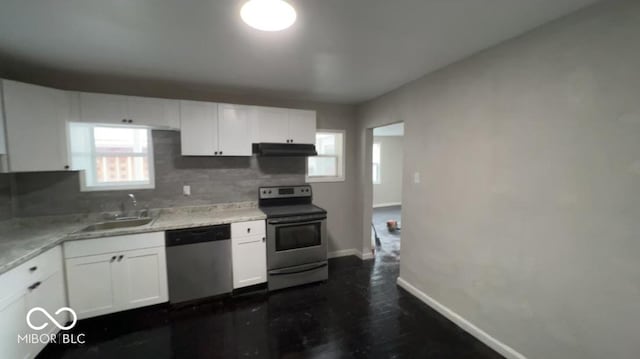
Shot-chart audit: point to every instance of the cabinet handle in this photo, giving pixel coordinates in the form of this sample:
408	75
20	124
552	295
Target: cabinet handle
215	153
130	121
263	239
220	152
248	230
120	257
124	120
33	269
66	167
34	285
113	259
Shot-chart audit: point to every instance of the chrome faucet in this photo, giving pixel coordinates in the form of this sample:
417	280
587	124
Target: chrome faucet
133	200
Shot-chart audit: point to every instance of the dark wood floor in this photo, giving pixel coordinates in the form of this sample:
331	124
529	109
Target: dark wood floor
358	313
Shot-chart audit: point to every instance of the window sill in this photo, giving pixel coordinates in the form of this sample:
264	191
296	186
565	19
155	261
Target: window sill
324	179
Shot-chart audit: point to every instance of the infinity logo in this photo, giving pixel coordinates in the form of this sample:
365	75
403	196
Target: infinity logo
51	318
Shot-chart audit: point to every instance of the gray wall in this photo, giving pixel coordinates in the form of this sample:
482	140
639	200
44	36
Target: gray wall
528	223
389	190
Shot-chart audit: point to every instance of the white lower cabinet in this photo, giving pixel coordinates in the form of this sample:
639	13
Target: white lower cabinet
249	253
36	283
119	273
91	285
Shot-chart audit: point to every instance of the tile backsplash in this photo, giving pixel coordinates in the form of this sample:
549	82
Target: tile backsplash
212	180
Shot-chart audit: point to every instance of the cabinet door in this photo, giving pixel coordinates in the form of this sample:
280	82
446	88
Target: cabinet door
50	296
302	126
142	278
154	112
91	285
198	128
35	119
103	108
12	316
249	255
272	124
233	130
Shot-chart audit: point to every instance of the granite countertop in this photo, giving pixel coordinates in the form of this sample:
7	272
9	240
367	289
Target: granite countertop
25	238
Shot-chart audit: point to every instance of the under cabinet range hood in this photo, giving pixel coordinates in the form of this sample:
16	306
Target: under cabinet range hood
284	149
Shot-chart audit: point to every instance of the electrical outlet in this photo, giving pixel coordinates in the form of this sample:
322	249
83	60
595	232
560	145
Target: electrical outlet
416	177
186	190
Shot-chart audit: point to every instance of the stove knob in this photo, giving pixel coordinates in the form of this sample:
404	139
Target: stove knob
269	191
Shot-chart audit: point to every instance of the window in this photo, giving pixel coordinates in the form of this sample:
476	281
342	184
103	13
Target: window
328	165
112	157
375	163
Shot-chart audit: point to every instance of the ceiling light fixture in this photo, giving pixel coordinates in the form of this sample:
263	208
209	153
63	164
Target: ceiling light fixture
268	15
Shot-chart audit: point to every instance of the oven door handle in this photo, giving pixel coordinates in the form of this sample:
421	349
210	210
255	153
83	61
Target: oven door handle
300	219
298	269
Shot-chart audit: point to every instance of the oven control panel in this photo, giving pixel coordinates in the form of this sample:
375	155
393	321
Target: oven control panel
285	192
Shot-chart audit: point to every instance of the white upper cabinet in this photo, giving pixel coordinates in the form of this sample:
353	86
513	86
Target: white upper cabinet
234	137
117	109
270	123
103	108
35	119
281	125
198	128
210	129
302	126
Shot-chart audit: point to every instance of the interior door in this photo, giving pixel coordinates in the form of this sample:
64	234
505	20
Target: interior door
91	285
143	277
233	130
198	128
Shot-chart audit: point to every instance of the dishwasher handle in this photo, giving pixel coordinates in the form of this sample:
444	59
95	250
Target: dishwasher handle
181	237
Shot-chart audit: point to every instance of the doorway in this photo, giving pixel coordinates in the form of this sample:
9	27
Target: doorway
386	178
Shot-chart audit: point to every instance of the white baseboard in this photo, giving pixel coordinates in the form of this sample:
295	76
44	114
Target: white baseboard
350	252
480	334
365	256
344	252
390	204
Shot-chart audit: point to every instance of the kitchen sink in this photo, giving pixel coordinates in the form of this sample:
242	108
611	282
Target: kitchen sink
119	223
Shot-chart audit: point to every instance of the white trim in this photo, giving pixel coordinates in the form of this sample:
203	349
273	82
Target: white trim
342	156
350	252
388	204
458	320
366	256
344	253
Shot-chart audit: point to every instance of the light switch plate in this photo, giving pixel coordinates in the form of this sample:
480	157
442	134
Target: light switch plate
416	177
186	190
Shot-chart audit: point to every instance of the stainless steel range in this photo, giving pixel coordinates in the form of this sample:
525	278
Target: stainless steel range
296	236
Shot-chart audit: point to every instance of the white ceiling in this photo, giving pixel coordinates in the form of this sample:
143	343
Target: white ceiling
397	129
338	51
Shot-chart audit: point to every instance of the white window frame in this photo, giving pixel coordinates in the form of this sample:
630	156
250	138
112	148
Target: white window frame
379	165
133	185
342	175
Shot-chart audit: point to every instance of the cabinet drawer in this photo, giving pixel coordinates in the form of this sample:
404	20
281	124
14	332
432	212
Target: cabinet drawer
243	229
88	247
36	269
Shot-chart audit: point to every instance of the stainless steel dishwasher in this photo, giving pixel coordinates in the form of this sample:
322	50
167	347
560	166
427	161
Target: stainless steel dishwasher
199	262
